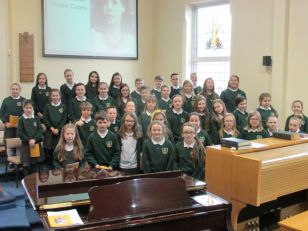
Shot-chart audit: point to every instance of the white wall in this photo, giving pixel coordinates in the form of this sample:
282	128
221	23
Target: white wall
297	66
169	35
251	39
3	48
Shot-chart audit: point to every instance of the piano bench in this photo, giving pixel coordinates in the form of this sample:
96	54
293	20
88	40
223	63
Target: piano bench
297	222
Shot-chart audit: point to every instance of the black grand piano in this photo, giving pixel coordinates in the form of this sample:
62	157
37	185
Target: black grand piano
115	201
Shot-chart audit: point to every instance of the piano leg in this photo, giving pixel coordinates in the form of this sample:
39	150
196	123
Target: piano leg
237	206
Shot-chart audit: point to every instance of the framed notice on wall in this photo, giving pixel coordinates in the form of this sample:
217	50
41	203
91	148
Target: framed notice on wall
90	28
26	57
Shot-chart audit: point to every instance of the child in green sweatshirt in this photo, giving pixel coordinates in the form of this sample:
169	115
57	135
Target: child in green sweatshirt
103	148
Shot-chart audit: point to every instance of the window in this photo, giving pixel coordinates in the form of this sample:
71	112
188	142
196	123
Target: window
212	43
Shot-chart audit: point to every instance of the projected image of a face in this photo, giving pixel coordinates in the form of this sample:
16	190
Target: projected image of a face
93	28
113	11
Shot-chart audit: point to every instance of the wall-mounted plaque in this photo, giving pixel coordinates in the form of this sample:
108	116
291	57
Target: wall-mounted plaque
26	57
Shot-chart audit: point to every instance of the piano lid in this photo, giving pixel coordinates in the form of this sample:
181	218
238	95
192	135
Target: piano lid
138	196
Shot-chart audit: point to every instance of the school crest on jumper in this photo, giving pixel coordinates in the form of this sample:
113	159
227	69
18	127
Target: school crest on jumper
108	105
183	120
202	138
92	128
18	104
109	144
116	128
164	151
61	110
47	94
259	137
35	124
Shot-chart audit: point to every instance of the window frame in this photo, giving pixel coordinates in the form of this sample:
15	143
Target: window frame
194	58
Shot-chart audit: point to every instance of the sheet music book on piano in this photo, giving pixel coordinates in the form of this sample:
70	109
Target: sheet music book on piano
64	218
207	200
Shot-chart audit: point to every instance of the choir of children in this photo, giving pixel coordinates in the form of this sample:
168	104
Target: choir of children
166	128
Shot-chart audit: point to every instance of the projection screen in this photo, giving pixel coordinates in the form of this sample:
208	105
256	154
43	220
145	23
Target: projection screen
90	28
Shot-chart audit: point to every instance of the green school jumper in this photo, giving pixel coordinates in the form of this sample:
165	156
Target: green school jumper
204	138
164	105
85	130
91	91
114	92
30	128
209	101
264	115
103	151
136	96
197	90
67	94
54	116
140	107
186	164
174	91
304	125
156	157
144	121
69	159
229	96
156	93
74	109
241	120
100	104
203	123
188	104
251	135
11	106
40	98
115	127
214	131
176	122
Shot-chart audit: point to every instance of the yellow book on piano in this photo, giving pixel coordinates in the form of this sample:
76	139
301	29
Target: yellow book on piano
64	218
35	151
13	120
59	220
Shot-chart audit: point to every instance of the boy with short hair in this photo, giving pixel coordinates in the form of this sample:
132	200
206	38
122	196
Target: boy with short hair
136	94
175	88
194	79
114	122
103	148
145	93
165	102
158	81
85	125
